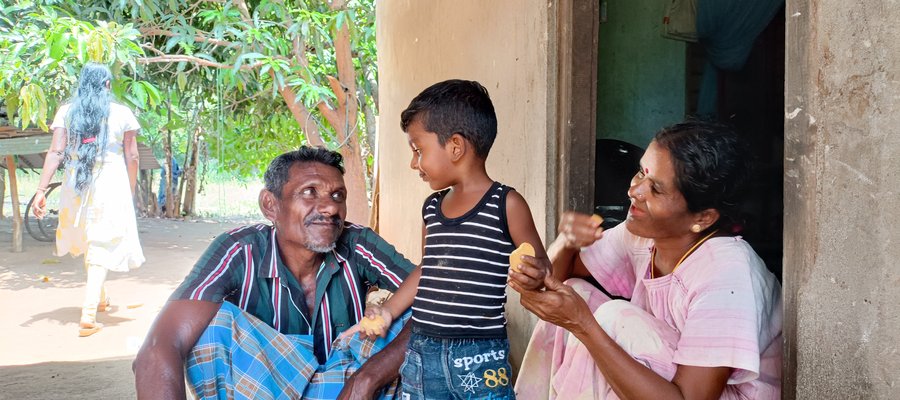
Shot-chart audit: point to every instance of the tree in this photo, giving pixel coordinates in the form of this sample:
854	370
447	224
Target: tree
268	67
301	52
42	51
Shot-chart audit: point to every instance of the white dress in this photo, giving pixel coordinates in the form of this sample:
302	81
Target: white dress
100	223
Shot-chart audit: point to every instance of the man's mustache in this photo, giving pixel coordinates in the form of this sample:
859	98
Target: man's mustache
319	218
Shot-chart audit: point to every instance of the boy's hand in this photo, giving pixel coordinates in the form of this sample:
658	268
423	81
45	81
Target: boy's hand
579	230
374	324
531	272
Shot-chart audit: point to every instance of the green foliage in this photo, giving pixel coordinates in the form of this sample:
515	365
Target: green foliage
42	48
186	65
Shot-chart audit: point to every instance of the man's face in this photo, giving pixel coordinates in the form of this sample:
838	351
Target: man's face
312	207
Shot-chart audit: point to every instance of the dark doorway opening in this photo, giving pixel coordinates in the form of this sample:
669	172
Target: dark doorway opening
645	81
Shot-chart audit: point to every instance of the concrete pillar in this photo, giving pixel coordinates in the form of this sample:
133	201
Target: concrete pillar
842	196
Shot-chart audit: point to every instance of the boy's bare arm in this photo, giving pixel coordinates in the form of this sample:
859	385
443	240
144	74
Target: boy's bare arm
404	296
522	230
379	318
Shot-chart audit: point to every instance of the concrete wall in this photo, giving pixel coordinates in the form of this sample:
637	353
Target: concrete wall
504	44
842	196
641	75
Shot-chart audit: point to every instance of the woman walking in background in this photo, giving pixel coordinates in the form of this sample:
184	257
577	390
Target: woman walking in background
91	134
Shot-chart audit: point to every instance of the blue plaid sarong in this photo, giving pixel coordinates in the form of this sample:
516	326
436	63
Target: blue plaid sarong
240	357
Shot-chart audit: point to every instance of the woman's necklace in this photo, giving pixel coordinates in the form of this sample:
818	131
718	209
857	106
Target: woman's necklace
686	254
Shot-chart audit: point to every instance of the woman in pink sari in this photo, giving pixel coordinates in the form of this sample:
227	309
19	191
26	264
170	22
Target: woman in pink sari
704	316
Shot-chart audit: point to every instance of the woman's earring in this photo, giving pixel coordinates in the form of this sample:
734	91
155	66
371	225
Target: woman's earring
696	228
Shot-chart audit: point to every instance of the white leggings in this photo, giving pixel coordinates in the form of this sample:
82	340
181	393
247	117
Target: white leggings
94	291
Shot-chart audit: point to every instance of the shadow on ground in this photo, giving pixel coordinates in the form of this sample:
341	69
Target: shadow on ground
165	243
94	379
71	315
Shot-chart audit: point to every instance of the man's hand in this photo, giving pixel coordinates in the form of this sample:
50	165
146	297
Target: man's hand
358	387
381	369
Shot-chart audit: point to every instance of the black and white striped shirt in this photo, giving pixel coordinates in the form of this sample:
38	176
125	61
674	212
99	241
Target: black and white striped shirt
462	291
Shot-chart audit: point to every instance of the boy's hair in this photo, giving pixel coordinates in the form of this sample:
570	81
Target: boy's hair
279	169
455	106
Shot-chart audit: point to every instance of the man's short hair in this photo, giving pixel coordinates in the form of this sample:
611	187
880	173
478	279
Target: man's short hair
280	168
455	106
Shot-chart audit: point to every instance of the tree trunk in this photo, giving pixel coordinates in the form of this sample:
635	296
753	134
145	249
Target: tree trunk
2	193
170	209
179	191
343	119
355	179
150	206
189	177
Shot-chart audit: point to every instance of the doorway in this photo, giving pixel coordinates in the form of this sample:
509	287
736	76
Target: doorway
646	81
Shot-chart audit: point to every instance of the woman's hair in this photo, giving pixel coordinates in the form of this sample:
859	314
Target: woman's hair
712	165
86	123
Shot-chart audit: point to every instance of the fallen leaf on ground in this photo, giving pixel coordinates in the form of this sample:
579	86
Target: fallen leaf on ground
50	261
44	278
135	305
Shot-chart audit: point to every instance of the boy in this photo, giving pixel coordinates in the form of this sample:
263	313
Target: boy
459	347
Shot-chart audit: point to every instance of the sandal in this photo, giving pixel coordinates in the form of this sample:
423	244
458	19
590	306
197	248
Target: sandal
88	328
104	305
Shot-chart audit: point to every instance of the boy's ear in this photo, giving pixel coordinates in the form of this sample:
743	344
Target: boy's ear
268	204
457	146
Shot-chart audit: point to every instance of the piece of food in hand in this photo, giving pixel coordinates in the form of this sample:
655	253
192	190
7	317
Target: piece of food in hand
372	325
597	218
515	258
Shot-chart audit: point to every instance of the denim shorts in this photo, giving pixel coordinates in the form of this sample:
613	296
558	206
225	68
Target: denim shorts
437	368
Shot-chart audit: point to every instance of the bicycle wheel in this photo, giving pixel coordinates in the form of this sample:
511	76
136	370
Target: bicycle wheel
44	230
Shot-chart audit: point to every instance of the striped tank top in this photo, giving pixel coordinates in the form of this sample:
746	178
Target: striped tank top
462	291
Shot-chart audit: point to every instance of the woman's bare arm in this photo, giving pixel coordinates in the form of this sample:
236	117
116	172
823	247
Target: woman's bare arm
132	158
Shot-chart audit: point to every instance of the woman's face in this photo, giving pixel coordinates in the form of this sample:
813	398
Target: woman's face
658	209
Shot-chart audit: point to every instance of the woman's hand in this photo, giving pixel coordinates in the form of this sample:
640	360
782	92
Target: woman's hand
577	230
39	205
531	272
558	304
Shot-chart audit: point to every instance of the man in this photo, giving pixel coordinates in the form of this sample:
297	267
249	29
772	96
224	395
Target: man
270	301
176	172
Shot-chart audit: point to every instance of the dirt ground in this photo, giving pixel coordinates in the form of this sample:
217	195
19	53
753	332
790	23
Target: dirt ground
41	355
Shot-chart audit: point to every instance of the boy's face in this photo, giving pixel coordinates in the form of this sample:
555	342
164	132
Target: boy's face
432	160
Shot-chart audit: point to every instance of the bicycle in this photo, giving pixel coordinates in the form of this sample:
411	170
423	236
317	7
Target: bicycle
44	229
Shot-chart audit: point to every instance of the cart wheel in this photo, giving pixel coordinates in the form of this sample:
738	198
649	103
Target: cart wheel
44	229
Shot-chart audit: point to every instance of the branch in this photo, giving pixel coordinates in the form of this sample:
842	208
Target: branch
337	4
367	74
248	98
197	38
194	60
244	10
302	115
345	89
335	116
299	48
